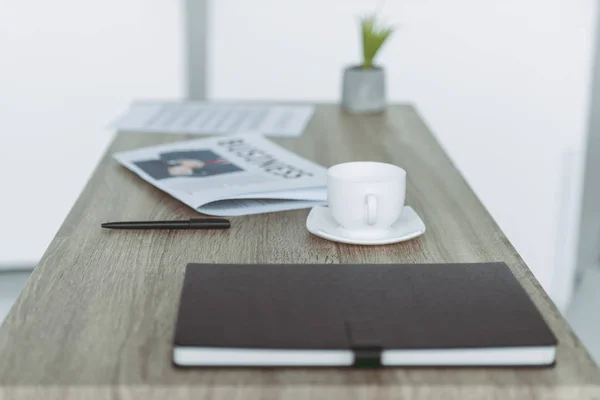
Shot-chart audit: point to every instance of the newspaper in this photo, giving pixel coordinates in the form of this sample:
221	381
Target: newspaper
214	118
230	175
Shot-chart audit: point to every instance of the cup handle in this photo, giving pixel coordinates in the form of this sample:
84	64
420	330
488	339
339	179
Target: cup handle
371	202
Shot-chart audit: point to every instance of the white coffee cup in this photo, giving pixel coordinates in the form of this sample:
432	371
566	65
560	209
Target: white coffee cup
366	197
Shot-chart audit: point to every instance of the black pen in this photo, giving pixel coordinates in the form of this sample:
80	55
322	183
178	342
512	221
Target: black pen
202	223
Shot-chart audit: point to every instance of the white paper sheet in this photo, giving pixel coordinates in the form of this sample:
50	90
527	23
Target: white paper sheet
214	119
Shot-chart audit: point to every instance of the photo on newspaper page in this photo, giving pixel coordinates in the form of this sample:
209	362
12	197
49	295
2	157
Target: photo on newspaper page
232	175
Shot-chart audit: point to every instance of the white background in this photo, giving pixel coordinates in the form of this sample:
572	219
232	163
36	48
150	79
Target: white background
67	68
504	86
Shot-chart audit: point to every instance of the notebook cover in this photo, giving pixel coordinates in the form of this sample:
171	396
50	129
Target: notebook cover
389	306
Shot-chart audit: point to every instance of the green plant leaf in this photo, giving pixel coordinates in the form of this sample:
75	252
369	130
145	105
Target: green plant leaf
373	37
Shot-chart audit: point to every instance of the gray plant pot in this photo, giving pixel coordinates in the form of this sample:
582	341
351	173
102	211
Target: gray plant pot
363	90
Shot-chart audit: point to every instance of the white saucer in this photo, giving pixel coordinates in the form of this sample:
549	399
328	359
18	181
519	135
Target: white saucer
408	226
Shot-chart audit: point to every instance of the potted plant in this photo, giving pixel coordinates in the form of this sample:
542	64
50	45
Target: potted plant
363	88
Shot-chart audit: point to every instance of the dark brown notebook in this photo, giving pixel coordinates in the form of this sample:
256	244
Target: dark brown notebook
358	315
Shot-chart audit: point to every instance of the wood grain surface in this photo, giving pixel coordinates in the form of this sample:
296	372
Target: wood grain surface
96	318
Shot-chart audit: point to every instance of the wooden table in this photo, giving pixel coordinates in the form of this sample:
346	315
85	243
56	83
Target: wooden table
96	318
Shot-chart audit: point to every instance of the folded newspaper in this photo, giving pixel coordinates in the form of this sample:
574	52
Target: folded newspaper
229	176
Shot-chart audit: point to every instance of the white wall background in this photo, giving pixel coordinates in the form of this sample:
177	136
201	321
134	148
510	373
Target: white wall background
67	67
503	84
